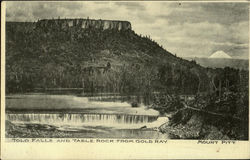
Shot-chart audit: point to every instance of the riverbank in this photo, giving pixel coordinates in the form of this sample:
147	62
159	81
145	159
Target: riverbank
204	118
193	129
189	124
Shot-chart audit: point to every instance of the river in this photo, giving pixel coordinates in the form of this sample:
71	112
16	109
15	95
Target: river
74	116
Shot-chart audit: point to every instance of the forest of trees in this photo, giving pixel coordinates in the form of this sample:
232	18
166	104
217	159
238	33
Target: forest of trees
55	58
225	109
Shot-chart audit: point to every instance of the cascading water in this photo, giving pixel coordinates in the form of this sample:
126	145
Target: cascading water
57	116
112	120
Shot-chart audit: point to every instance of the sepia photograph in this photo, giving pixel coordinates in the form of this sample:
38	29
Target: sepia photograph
126	70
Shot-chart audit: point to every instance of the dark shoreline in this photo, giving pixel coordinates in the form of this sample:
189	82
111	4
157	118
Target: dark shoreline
196	129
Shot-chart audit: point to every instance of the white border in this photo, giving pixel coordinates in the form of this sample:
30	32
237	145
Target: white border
182	149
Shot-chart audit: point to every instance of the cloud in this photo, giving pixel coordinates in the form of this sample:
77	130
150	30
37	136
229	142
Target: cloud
223	13
131	5
186	29
202	39
234	12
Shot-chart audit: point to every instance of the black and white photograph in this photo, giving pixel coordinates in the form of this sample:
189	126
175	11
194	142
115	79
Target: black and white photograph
127	70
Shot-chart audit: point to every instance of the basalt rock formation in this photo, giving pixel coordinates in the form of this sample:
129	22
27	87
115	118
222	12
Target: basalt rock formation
84	23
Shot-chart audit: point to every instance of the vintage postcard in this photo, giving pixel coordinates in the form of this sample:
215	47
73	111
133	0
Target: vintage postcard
124	80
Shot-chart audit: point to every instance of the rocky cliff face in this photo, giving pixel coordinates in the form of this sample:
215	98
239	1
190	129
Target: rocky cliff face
85	24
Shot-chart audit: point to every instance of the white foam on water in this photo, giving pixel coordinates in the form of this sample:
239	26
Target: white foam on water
117	121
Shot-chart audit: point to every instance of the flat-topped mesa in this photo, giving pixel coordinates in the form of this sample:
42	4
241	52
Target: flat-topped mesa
85	24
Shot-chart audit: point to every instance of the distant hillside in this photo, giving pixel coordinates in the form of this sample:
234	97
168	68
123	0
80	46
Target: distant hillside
222	62
98	57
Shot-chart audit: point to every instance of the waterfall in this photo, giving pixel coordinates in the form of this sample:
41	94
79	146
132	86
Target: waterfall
81	119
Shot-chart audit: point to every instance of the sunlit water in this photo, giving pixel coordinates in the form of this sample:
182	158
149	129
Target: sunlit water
69	113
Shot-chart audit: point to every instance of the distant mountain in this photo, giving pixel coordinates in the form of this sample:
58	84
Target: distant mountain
220	54
213	62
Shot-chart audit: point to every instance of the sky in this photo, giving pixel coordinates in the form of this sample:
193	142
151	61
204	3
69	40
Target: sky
186	29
